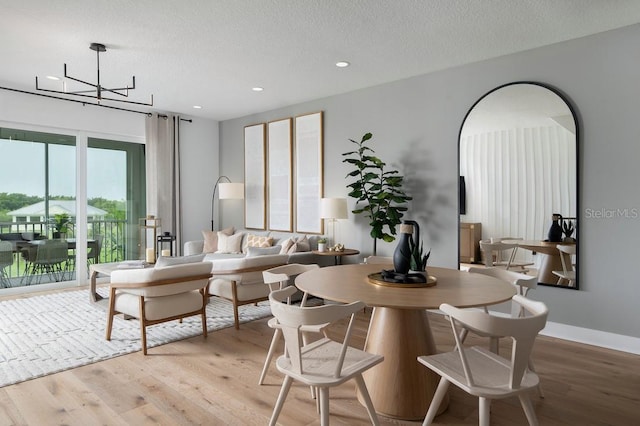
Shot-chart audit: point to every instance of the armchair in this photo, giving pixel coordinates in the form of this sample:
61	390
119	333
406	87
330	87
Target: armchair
155	295
240	280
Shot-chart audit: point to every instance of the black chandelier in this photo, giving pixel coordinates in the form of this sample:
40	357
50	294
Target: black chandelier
98	91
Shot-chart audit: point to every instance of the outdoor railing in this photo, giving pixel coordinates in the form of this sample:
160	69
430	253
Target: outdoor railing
111	232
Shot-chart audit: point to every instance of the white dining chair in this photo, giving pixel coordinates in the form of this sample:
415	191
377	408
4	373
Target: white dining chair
523	283
278	278
483	373
502	254
568	272
325	363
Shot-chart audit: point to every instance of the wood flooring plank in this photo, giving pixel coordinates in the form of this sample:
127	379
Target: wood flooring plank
213	381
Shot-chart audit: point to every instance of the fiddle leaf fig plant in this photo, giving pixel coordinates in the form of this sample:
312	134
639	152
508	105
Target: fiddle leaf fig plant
377	190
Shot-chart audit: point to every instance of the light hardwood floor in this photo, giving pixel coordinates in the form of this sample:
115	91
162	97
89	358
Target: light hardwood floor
213	381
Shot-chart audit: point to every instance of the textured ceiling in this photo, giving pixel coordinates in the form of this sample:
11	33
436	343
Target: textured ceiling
212	52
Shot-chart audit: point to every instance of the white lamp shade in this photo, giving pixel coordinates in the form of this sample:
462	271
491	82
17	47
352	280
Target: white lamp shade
333	208
231	191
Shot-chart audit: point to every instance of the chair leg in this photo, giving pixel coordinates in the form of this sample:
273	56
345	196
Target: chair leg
525	401
532	368
324	406
272	347
484	406
284	390
441	391
362	387
143	326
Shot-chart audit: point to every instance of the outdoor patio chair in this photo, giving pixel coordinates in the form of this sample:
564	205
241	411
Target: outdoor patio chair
50	255
6	259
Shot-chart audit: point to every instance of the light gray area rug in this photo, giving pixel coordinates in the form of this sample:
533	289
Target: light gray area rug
45	334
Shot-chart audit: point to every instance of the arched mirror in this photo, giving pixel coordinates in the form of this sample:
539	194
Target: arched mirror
518	180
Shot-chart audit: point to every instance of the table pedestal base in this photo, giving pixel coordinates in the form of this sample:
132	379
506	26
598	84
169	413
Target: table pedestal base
401	335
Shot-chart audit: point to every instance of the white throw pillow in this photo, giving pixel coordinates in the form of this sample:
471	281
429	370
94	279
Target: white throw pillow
178	260
229	243
211	239
262	251
286	245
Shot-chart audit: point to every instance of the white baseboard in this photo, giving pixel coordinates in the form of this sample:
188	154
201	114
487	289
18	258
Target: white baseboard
599	338
587	336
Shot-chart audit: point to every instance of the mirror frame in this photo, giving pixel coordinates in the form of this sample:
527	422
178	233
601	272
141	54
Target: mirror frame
578	126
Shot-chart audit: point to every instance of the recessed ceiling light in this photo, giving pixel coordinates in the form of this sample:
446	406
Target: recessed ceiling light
342	64
53	77
257	89
197	107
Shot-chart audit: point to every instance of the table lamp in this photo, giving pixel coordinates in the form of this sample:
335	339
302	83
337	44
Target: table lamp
332	209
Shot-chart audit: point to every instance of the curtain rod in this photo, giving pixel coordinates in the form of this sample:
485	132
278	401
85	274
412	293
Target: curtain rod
181	119
149	114
74	100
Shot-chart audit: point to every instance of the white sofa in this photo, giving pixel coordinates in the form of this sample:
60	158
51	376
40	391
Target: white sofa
197	246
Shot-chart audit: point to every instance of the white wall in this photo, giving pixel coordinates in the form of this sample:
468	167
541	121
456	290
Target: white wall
415	123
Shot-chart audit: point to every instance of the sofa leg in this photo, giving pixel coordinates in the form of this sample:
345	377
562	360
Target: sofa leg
143	325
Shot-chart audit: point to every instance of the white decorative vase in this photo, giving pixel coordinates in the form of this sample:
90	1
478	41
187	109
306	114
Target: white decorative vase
322	247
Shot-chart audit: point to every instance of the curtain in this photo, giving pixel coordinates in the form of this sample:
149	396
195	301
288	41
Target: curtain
163	173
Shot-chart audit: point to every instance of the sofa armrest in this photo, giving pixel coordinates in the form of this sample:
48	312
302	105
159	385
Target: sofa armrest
193	247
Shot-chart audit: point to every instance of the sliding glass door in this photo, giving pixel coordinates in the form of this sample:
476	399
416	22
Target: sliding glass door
43	239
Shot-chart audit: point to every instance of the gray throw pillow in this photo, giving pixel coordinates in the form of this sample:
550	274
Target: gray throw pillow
179	260
262	251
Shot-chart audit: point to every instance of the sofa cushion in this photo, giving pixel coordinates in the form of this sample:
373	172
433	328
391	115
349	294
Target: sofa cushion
211	239
262	251
301	244
164	261
258	241
229	243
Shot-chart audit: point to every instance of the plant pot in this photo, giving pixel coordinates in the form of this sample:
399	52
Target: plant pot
322	247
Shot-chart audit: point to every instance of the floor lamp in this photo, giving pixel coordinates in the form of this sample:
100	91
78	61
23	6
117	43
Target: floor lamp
228	191
332	209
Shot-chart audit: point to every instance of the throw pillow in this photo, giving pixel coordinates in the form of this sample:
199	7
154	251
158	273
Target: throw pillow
259	241
211	239
262	251
229	243
286	245
179	260
301	244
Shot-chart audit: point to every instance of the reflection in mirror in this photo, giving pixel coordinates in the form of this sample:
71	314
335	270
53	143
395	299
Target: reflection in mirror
518	154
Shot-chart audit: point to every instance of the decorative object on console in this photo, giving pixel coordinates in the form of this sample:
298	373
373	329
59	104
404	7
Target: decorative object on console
332	209
380	190
149	228
322	244
555	231
228	191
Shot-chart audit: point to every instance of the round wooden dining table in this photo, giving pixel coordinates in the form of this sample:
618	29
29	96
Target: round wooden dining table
400	387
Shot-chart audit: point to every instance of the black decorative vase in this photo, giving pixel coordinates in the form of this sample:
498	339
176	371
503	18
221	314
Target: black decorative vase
402	253
555	232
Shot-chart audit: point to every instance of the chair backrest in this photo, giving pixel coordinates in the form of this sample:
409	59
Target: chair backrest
278	278
523	331
566	256
6	253
522	282
378	260
94	252
52	251
292	317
